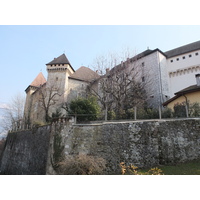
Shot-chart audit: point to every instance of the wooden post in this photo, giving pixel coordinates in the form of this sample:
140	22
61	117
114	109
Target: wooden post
135	113
160	114
75	118
106	113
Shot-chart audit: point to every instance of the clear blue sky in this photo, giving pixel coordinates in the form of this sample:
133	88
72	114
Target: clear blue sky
26	49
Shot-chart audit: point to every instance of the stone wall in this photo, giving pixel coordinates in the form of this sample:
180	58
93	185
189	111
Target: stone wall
26	152
2	143
142	143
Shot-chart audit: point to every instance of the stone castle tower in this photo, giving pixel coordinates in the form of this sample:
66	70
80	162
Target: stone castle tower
59	70
63	84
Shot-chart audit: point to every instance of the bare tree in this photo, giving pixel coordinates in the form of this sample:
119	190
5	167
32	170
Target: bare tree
121	87
13	112
49	95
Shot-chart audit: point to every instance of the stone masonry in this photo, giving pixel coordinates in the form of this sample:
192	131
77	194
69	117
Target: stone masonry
141	143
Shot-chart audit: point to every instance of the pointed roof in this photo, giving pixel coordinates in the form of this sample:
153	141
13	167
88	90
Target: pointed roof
39	80
60	60
84	74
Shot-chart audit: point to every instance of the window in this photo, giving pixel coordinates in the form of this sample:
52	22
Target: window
177	59
190	55
62	64
197	54
56	78
143	64
183	57
143	79
171	60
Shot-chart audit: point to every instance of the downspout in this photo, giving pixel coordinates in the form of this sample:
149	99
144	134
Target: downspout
186	106
160	80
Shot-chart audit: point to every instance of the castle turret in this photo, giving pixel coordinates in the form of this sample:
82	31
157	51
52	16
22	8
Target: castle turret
37	83
59	70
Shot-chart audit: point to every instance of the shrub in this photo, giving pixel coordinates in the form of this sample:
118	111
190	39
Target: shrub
81	165
147	113
133	170
167	113
121	114
141	114
111	115
130	113
56	114
87	109
194	110
180	110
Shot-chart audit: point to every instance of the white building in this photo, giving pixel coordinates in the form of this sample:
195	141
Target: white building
163	74
167	72
182	65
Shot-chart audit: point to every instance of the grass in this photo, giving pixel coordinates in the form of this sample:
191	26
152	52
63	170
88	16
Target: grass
189	168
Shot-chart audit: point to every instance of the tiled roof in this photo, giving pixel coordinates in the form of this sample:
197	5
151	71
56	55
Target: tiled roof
192	88
59	60
146	53
189	89
39	80
183	49
85	74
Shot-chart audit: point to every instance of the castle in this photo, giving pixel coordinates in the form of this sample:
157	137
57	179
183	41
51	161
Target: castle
168	72
63	84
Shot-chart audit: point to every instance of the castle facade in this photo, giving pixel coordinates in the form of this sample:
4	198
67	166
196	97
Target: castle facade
164	73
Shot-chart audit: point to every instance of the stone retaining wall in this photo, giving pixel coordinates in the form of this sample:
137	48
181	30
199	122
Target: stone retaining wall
141	143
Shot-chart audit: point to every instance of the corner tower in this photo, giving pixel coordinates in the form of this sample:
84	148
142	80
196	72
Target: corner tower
30	90
59	70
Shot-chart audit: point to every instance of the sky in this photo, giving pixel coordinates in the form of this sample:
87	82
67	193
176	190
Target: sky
25	49
32	33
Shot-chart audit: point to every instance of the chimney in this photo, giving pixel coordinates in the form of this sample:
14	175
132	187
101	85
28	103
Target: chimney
107	70
198	79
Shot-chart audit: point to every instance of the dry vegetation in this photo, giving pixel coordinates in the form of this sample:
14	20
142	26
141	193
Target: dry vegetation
81	165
